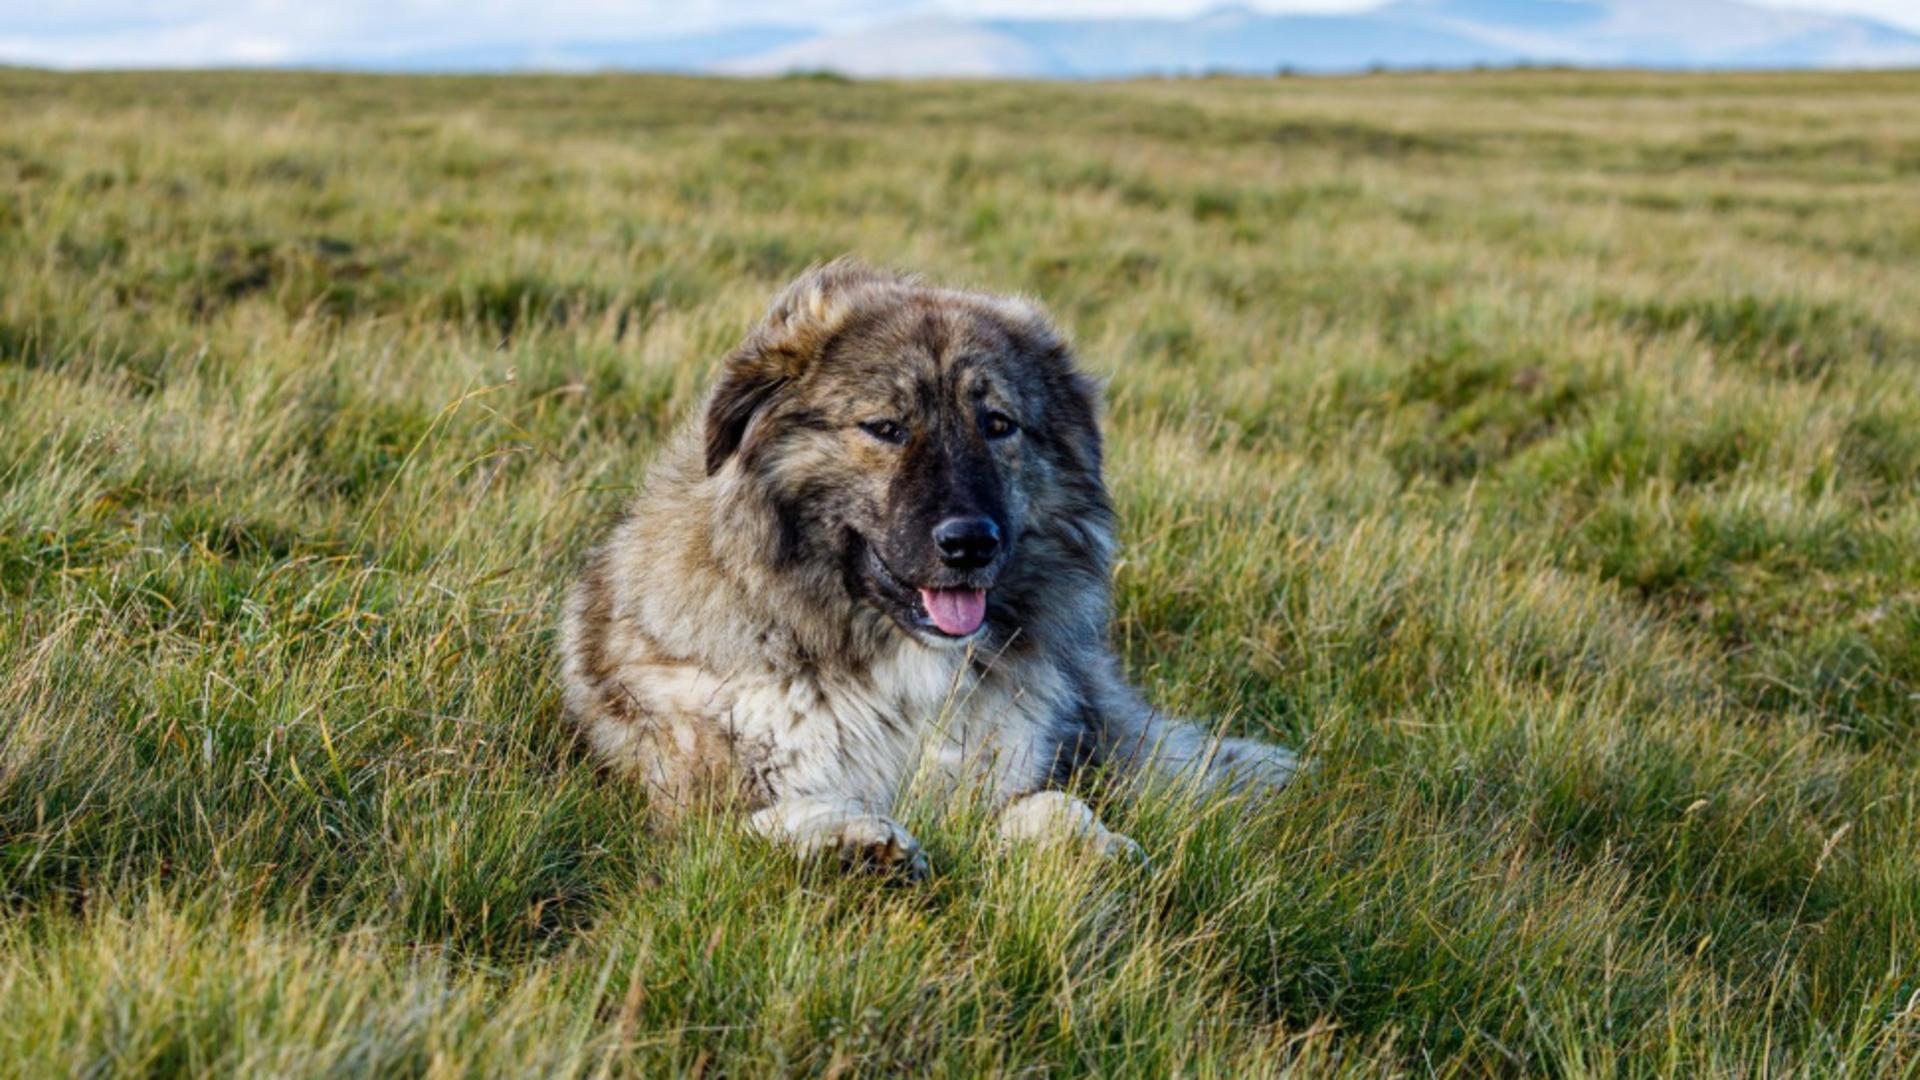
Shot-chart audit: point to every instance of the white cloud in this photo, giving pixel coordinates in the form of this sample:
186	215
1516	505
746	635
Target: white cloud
171	33
83	33
1900	13
1090	8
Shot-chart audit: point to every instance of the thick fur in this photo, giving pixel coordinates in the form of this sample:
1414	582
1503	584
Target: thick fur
751	629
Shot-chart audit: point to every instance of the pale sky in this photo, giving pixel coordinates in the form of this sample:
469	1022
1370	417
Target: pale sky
157	33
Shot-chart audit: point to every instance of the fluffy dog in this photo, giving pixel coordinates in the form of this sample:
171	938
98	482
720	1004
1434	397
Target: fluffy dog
882	554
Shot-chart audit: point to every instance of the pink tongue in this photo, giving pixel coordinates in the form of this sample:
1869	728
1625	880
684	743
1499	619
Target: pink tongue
957	612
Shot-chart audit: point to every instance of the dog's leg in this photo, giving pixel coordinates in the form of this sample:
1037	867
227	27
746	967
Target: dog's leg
1049	817
860	838
1156	749
1161	749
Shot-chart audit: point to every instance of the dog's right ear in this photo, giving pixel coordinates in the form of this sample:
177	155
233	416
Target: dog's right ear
798	325
746	388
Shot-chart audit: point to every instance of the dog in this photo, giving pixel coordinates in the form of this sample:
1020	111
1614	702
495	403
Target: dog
881	557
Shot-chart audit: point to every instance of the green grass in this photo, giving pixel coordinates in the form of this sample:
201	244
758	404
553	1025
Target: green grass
1540	450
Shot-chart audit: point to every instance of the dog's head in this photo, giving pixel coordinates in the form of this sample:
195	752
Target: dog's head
914	437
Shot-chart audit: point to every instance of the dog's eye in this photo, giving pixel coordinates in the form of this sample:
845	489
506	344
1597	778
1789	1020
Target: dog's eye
887	431
998	425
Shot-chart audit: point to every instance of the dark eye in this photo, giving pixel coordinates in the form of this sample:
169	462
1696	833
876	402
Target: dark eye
998	425
887	431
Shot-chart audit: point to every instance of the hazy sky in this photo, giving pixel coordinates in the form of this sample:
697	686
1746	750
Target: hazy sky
79	33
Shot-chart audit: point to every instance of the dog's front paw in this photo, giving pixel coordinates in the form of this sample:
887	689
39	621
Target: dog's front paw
1249	766
881	845
1052	817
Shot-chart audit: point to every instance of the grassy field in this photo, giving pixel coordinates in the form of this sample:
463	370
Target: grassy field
1538	450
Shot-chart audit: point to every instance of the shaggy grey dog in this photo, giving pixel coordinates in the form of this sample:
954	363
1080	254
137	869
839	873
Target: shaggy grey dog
881	557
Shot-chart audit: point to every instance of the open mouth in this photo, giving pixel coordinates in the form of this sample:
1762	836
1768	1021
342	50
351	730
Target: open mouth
949	611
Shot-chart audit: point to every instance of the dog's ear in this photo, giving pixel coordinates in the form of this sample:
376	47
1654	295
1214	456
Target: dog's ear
746	388
798	325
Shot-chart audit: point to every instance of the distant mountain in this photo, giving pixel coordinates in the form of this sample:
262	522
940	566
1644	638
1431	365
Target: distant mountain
1241	40
1722	34
690	53
919	48
1411	33
1666	33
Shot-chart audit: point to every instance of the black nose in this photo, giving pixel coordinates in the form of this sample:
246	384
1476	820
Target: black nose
967	543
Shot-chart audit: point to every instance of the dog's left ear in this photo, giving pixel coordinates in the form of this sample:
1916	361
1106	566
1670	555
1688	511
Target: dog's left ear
797	327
